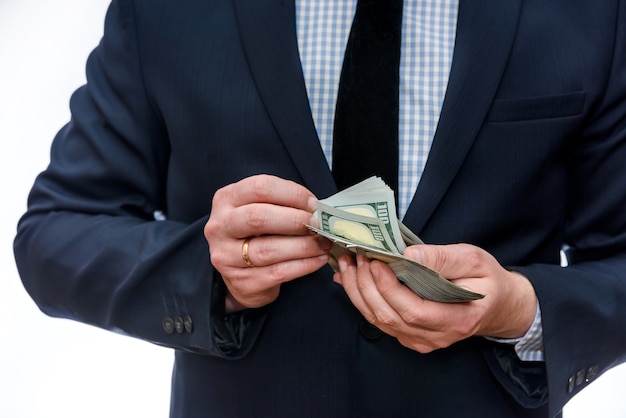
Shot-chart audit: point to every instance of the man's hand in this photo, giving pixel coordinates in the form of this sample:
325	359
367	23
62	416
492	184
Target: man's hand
507	311
269	215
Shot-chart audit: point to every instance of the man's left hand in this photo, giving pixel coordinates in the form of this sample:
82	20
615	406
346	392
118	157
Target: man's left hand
507	311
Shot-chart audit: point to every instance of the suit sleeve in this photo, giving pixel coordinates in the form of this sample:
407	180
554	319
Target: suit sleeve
89	247
583	309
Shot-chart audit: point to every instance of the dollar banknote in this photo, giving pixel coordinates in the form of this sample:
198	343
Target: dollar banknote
362	220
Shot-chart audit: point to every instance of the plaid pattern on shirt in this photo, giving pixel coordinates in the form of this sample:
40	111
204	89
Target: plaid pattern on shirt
428	34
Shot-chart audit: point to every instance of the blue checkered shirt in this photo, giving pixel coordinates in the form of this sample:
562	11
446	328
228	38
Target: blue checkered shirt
428	36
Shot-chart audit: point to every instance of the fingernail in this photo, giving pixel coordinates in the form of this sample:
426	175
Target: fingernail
343	265
374	269
314	222
312	204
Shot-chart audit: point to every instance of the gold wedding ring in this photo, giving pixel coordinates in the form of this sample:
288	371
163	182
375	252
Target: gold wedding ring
244	252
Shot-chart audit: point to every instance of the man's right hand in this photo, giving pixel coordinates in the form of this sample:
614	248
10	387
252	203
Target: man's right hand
262	218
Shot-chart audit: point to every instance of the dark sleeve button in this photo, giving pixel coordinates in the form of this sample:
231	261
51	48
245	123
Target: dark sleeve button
188	324
571	383
179	324
580	377
592	373
168	325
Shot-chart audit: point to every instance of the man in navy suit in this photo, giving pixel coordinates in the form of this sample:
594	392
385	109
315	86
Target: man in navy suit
173	210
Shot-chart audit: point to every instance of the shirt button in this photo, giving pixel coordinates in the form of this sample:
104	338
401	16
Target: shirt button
369	331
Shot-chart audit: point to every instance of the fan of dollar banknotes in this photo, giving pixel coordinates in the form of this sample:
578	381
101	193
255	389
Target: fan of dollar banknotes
362	220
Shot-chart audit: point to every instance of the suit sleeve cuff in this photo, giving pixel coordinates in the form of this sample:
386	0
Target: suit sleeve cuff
530	346
233	334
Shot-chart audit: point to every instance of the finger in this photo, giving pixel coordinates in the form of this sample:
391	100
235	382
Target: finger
361	289
400	298
348	279
452	261
267	250
384	315
258	286
263	251
266	219
268	189
421	331
377	310
423	325
257	219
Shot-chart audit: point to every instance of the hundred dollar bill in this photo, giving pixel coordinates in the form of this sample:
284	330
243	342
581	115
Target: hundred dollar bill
362	220
353	226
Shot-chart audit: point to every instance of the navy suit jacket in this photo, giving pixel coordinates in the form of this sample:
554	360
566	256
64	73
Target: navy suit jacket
184	97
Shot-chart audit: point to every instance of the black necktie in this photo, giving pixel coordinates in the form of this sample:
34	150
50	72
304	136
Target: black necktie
365	135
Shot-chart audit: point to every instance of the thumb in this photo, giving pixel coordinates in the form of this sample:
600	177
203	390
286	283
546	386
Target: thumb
452	261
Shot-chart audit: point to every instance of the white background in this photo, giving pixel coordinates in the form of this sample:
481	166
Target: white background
58	368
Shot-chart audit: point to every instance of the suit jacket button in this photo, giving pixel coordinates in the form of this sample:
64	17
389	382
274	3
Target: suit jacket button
571	382
592	373
179	324
369	331
188	324
168	325
580	377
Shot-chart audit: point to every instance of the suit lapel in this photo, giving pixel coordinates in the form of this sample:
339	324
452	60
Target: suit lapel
484	38
485	34
268	33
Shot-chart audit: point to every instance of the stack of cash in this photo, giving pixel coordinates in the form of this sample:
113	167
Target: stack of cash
362	220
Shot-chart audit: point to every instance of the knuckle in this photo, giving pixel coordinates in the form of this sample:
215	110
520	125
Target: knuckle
301	195
210	228
439	258
261	186
412	316
370	317
465	329
218	258
299	221
254	218
307	244
474	257
385	318
221	195
264	252
278	272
